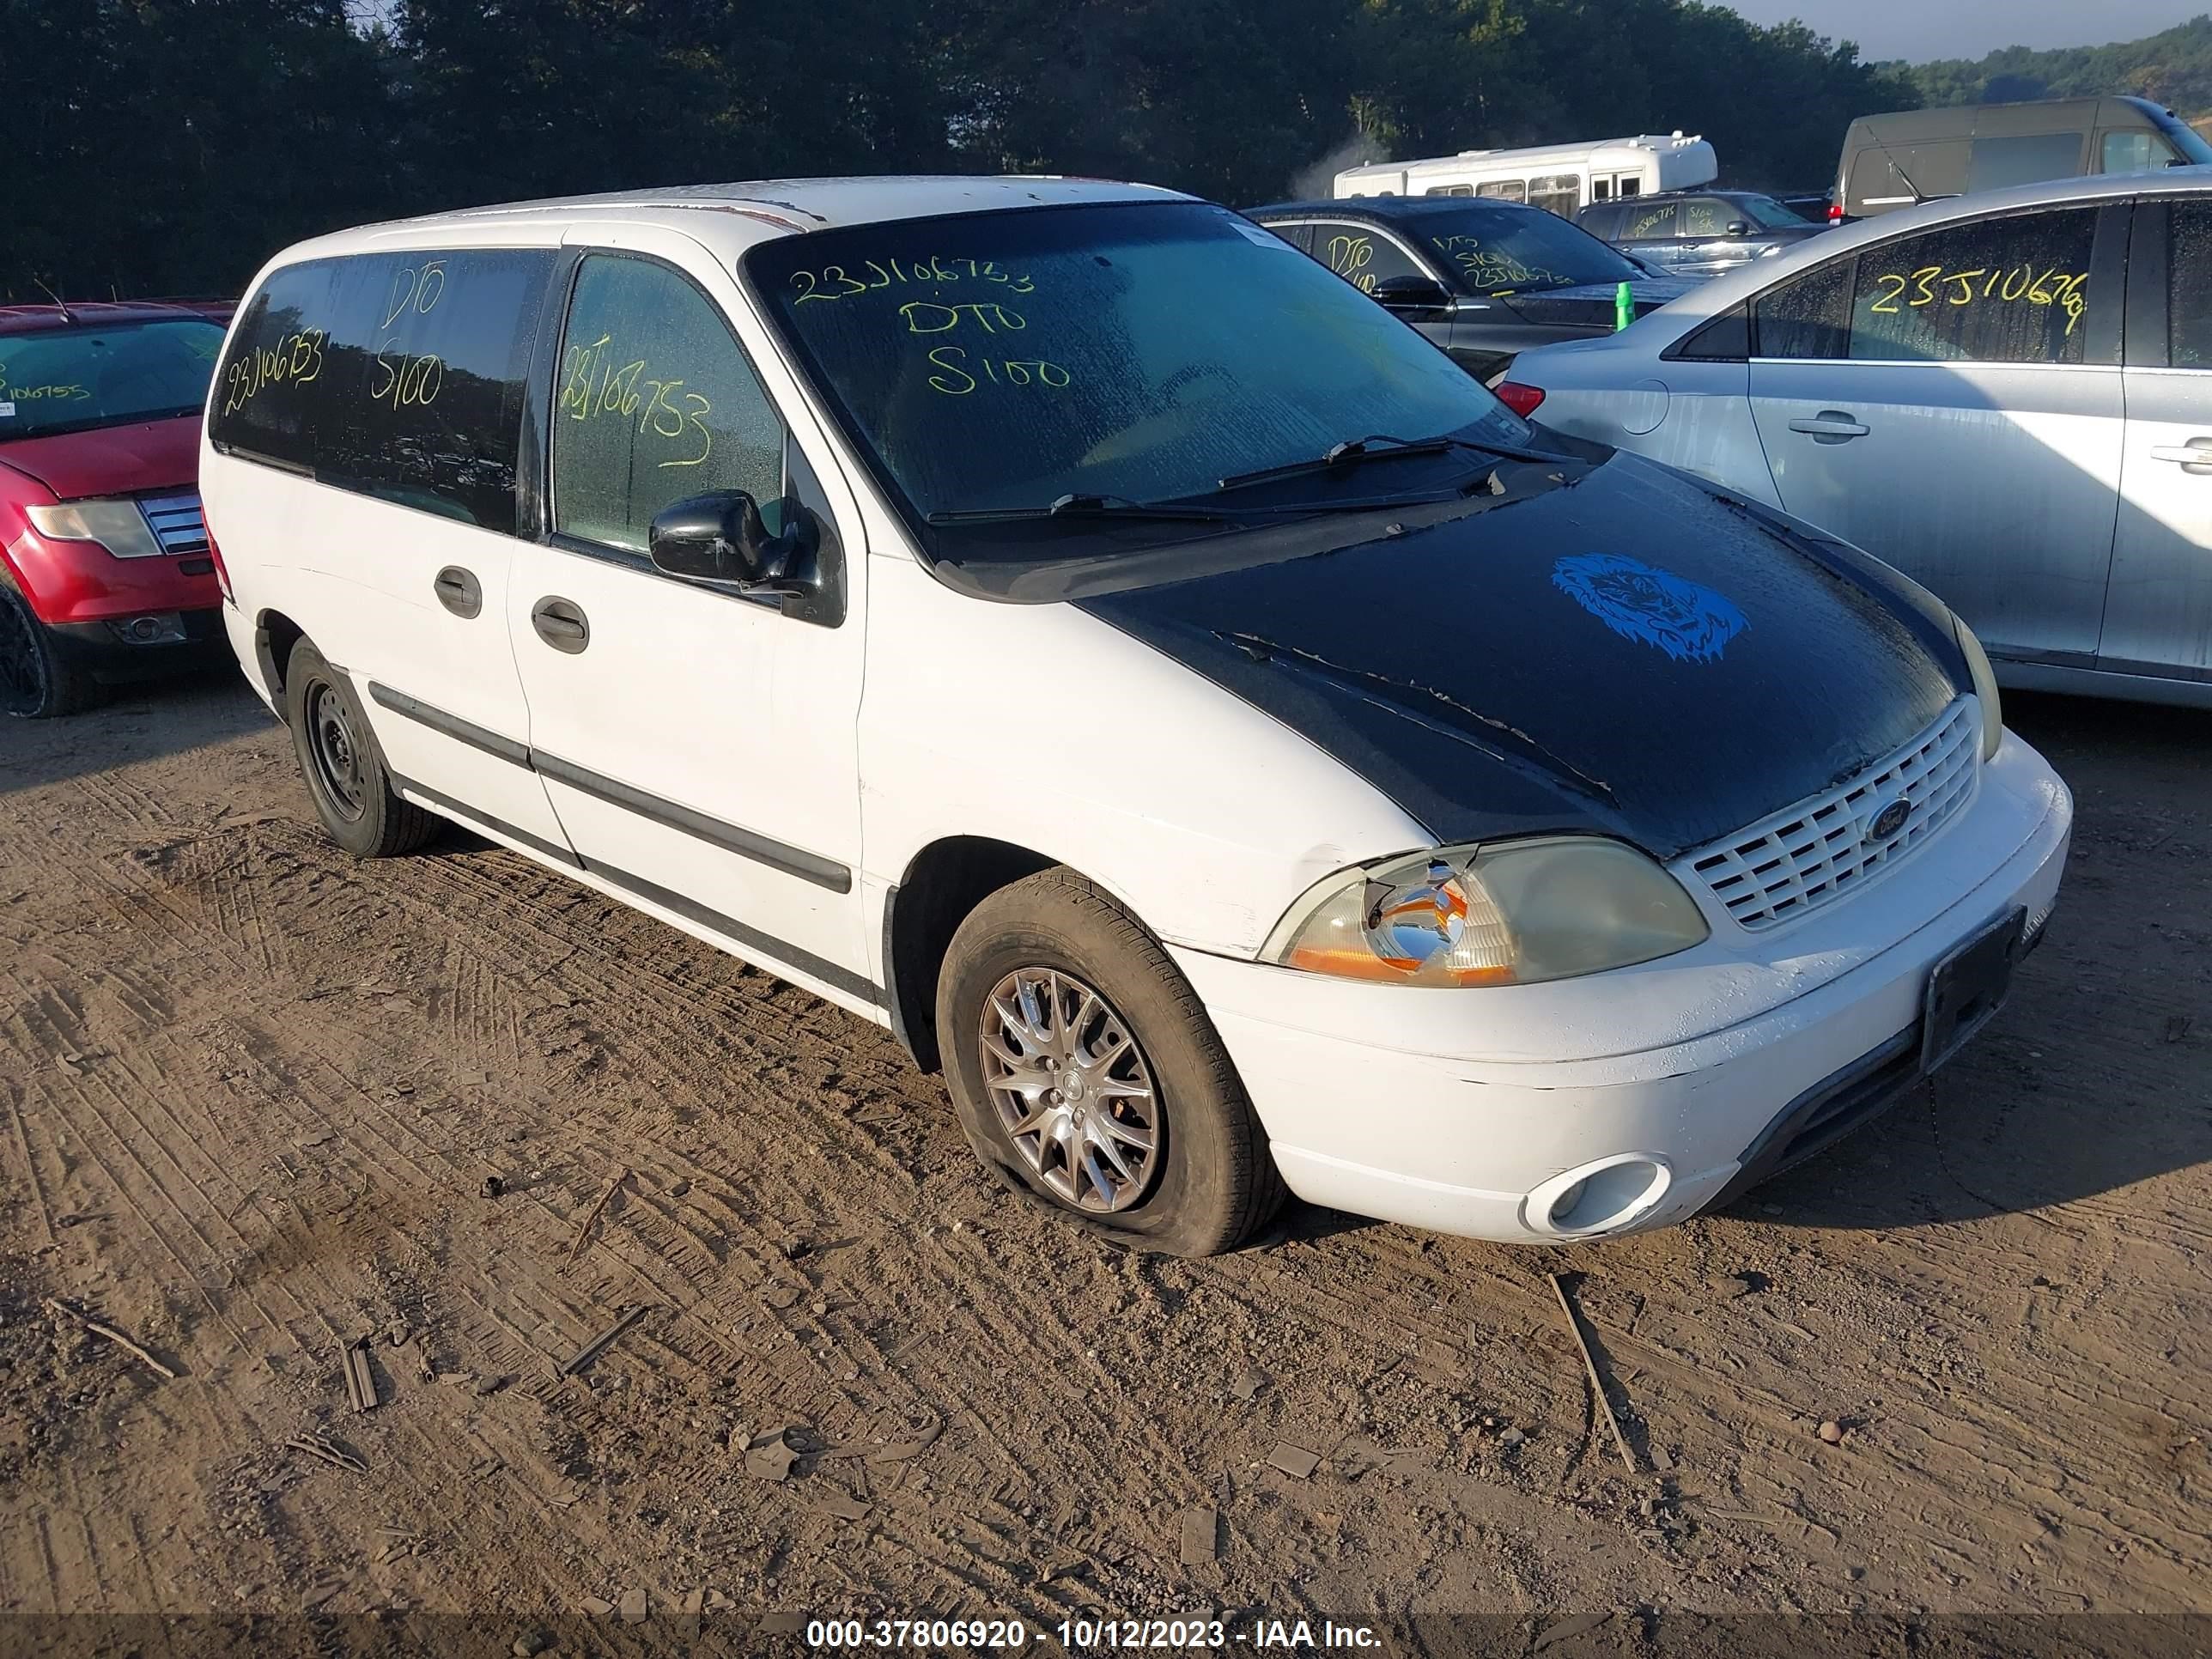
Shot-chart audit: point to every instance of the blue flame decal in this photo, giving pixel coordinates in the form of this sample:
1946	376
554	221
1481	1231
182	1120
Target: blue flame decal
1639	601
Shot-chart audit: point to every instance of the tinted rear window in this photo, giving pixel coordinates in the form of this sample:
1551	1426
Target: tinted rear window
1600	220
398	375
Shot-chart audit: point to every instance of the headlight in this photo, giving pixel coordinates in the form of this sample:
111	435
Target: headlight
1509	914
118	526
1985	688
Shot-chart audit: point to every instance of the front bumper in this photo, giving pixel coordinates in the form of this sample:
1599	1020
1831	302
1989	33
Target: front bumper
1470	1111
143	645
72	581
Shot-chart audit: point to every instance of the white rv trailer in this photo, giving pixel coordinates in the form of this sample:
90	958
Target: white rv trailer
1560	177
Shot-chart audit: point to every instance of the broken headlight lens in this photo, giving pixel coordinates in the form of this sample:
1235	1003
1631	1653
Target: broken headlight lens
1514	913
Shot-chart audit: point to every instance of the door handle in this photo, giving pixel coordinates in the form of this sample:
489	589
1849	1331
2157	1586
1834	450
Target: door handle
2196	453
1830	426
562	624
459	592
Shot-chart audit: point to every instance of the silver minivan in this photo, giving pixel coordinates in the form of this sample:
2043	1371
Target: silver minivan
2007	397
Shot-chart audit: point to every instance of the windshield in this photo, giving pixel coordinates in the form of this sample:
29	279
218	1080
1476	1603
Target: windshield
2186	139
70	379
1513	250
1139	352
1767	213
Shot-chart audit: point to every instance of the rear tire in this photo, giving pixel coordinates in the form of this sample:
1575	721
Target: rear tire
1148	1137
40	678
347	778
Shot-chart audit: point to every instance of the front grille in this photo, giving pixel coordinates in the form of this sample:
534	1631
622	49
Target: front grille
1807	855
176	522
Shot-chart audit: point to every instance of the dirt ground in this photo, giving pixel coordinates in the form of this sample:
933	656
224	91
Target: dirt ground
252	1092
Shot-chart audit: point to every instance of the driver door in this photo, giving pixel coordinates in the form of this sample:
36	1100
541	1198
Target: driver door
698	744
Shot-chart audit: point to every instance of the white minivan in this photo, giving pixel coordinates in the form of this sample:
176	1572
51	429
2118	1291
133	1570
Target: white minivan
1059	622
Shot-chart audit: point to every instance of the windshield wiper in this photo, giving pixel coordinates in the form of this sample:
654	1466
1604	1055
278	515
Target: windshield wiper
1082	506
1354	451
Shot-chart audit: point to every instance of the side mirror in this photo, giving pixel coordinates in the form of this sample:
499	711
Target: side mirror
1736	227
1411	293
722	538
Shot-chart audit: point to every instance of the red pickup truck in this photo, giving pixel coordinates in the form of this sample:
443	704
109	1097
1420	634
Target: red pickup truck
106	571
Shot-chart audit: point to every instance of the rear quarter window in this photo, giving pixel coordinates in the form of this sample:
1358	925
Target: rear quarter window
1601	221
396	375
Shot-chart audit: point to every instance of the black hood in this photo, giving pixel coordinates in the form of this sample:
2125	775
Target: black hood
1627	654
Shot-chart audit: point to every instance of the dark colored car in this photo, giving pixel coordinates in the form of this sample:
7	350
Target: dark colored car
106	572
1698	233
1485	279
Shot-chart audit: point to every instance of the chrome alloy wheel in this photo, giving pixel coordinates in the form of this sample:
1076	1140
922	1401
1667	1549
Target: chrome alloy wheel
1072	1089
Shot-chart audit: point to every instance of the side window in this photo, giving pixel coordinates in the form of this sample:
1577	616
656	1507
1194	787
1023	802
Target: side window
1630	185
2011	290
657	402
1505	190
1648	221
2132	152
1998	162
2188	285
269	391
1361	255
1706	216
1560	193
1451	189
1808	317
1299	236
396	375
1603	223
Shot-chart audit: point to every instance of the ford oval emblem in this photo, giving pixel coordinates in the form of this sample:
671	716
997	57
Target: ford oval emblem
1889	820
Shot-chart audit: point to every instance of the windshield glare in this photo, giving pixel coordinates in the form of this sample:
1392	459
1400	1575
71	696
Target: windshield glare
69	380
1501	250
1144	351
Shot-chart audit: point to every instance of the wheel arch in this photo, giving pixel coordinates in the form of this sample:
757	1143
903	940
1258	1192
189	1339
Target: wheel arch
275	634
942	883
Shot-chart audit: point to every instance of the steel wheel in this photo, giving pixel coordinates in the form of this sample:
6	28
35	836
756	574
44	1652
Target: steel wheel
336	751
1072	1089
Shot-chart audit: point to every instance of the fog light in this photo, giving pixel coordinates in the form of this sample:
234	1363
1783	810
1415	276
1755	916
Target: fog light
1603	1196
163	628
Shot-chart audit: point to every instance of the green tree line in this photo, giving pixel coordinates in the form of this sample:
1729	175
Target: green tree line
170	146
2173	69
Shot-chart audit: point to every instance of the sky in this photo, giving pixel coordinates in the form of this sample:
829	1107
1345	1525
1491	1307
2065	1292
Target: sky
1918	29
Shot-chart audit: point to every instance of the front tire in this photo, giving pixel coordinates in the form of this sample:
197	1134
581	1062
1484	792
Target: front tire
1087	1075
346	777
39	677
